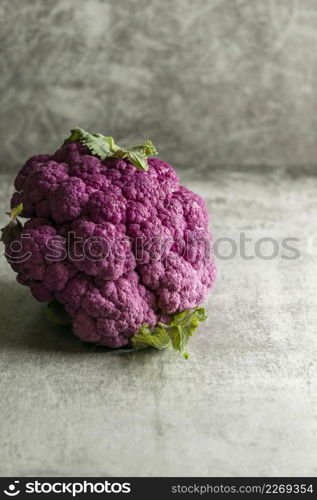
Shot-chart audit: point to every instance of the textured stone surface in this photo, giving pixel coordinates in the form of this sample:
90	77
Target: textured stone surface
245	403
210	82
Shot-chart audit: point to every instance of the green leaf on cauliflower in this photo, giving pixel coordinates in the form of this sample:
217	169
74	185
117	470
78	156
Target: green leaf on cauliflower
15	211
13	228
176	333
105	147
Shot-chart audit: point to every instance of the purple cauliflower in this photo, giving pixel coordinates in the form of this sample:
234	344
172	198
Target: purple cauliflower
113	241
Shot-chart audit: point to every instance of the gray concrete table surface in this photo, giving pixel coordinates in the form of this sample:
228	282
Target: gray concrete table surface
244	403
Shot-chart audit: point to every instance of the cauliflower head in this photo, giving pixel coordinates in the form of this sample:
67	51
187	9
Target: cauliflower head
114	240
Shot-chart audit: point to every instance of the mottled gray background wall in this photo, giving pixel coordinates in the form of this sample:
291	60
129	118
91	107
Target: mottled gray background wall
214	83
211	82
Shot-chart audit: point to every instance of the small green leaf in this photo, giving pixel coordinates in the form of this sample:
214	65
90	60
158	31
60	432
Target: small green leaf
76	134
105	147
10	232
138	160
13	228
98	144
55	313
146	149
177	333
16	211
